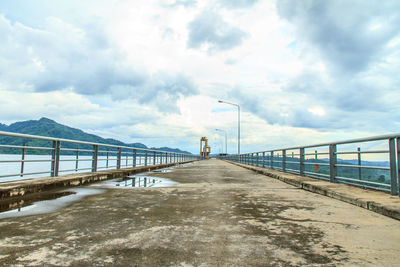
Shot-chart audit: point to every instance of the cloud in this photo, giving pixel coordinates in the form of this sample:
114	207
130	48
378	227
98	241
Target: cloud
209	30
237	3
311	101
347	80
349	35
161	89
176	3
61	56
316	70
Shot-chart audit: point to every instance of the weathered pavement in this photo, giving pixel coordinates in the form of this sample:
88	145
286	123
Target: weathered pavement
220	215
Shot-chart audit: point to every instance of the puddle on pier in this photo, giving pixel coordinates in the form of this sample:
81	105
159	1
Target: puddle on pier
44	202
47	202
137	181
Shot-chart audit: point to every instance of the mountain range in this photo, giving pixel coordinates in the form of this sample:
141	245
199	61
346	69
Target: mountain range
50	128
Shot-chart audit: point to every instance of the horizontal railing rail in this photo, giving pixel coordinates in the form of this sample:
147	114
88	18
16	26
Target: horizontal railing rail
24	156
376	165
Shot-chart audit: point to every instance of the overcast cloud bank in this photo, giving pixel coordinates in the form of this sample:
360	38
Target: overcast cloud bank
153	71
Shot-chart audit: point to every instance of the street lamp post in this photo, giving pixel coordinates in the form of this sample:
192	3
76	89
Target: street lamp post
226	146
236	105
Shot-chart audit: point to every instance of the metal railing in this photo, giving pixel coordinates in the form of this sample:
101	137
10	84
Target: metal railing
26	156
376	165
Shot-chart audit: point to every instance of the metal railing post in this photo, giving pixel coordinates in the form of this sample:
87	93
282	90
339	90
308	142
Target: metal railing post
359	162
398	164
271	160
284	160
145	158
77	160
301	161
134	158
107	158
263	160
393	167
332	163
119	159
154	158
94	157
55	158
23	159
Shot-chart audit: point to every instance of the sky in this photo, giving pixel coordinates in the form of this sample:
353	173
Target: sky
152	71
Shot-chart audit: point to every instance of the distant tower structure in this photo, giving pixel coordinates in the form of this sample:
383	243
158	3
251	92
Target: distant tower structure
204	150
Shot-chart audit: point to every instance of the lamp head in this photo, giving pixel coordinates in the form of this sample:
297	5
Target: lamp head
220	101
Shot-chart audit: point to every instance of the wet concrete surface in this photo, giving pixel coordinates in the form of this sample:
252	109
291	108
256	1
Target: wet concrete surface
44	202
218	215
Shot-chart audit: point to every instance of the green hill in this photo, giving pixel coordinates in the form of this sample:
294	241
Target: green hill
50	128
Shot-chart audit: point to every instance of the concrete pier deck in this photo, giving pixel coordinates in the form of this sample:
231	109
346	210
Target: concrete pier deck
219	215
374	200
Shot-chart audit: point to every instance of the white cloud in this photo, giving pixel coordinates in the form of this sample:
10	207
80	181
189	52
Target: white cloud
317	110
152	71
64	56
350	35
210	32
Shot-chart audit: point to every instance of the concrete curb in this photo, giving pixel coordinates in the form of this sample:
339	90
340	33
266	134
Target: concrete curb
29	186
376	201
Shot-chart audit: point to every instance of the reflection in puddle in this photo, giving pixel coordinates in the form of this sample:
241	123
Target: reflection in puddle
45	202
137	181
19	203
133	181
